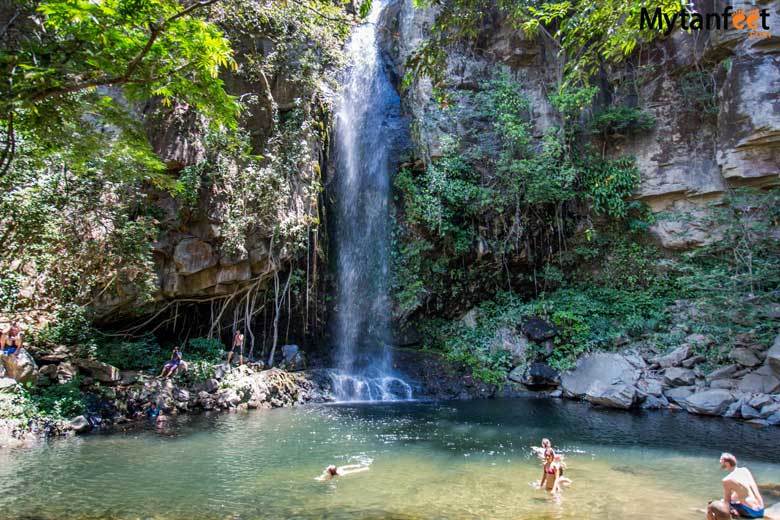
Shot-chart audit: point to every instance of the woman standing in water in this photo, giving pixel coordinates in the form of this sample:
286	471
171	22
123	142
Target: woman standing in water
551	473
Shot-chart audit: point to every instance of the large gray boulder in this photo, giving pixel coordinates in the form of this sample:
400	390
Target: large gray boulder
512	342
539	376
80	424
673	358
600	367
759	383
613	396
773	356
20	367
709	402
679	377
722	372
679	394
745	357
7	385
98	370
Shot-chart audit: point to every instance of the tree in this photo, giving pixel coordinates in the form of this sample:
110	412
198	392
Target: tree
588	33
77	60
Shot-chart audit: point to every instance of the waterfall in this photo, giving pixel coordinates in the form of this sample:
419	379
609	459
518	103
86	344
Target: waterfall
368	130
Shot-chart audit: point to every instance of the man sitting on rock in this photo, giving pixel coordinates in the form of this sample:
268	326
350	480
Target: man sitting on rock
741	497
11	340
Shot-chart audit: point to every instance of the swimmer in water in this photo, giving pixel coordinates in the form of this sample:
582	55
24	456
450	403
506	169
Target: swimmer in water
341	471
546	445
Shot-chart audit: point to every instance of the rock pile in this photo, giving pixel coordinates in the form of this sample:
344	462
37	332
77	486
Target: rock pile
748	388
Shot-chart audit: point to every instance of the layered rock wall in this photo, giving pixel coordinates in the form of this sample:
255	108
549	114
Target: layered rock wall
690	158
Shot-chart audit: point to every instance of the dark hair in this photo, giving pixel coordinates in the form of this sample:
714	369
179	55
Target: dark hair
549	452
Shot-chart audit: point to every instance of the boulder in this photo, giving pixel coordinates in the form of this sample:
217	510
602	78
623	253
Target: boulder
773	356
510	341
181	395
21	367
80	424
613	396
7	385
66	372
709	402
679	377
722	372
292	357
748	412
673	358
540	376
653	402
756	383
679	394
734	409
773	420
49	371
650	387
770	409
599	367
98	370
745	357
760	401
693	361
727	384
211	385
538	330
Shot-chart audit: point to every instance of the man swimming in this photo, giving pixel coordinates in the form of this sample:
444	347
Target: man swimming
332	471
741	497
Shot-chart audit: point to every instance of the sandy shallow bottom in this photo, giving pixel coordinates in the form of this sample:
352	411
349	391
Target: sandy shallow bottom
427	461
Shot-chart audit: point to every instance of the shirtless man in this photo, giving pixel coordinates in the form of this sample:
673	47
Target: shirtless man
238	343
741	497
332	471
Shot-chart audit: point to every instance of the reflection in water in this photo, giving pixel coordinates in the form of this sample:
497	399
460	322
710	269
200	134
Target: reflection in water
428	460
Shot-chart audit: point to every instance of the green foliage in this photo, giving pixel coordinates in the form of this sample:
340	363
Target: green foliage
497	197
58	53
55	402
622	120
72	326
700	93
205	349
142	353
589	34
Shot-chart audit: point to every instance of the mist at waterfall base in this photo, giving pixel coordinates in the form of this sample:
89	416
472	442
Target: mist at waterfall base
368	132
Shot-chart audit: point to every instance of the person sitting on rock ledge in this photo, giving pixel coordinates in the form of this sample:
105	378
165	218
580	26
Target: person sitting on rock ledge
11	341
172	366
741	497
332	471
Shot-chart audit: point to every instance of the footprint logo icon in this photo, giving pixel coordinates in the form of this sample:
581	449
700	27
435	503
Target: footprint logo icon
749	20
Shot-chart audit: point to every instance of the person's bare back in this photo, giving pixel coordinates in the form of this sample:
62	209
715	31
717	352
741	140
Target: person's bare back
740	486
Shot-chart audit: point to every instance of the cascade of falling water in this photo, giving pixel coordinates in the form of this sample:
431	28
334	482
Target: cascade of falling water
367	128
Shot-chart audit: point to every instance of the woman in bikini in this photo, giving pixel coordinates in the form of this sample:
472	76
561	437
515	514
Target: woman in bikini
551	473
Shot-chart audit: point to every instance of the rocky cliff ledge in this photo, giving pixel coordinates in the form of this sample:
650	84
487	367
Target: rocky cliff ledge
713	97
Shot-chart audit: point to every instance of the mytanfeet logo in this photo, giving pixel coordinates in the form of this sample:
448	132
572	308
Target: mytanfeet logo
751	19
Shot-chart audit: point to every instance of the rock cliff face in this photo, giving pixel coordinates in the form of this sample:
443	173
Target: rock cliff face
191	261
714	97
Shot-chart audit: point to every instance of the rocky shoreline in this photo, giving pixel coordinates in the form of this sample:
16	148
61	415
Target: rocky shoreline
125	397
747	389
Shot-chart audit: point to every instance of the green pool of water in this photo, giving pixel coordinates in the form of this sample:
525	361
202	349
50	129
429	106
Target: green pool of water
428	460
